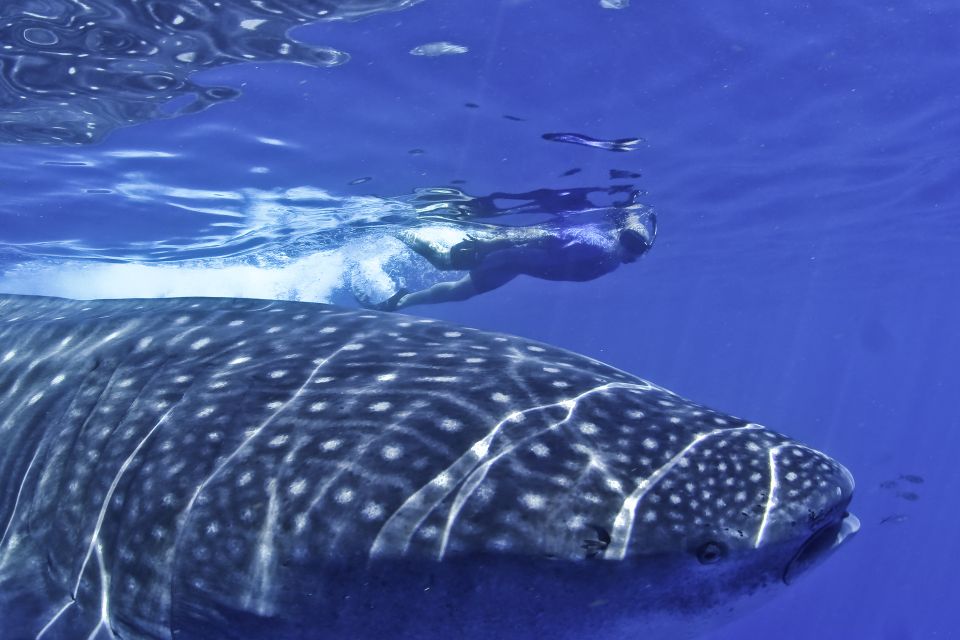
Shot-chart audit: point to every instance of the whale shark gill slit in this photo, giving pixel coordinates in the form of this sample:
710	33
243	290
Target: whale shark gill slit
37	441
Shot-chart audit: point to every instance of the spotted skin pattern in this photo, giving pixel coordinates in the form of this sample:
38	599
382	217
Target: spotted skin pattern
164	459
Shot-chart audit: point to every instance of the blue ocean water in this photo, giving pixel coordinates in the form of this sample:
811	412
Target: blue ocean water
801	157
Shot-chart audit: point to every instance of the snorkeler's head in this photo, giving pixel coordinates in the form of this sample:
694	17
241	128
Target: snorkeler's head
638	228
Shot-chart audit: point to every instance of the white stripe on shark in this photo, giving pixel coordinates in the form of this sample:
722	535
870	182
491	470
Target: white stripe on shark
13	514
468	471
256	599
771	494
262	581
772	500
95	538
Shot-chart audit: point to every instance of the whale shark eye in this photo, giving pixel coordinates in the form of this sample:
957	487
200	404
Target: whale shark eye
710	552
596	547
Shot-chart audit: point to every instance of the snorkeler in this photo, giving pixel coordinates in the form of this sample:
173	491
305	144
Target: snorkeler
493	256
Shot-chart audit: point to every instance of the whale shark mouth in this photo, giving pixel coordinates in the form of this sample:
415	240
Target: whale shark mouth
820	545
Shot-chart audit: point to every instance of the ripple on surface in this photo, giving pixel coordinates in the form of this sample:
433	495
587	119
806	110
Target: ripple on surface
76	72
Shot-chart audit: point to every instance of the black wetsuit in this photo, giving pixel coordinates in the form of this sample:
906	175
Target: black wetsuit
575	254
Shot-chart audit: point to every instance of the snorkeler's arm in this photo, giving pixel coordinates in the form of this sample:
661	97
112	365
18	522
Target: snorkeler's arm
486	278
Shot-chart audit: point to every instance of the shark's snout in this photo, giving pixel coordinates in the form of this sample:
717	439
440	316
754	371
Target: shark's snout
832	524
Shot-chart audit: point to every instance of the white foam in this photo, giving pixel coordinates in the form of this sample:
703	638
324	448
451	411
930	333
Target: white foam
311	278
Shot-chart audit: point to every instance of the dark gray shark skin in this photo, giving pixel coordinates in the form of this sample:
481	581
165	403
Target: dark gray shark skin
221	468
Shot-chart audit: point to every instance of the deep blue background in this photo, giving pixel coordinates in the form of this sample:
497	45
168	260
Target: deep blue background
804	158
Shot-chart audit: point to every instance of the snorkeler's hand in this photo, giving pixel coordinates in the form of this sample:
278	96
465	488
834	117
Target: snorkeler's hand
391	303
465	255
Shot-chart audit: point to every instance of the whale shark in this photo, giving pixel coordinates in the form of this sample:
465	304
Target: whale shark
232	468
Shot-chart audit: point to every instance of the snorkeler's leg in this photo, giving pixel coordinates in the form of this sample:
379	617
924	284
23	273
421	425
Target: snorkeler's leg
462	289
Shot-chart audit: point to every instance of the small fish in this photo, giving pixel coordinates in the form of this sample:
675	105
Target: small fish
888	484
416	152
458	181
912	478
908	495
570	172
620	144
895	518
514	118
360	180
471	105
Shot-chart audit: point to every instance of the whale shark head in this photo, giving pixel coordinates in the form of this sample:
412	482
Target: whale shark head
248	469
654	515
732	514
